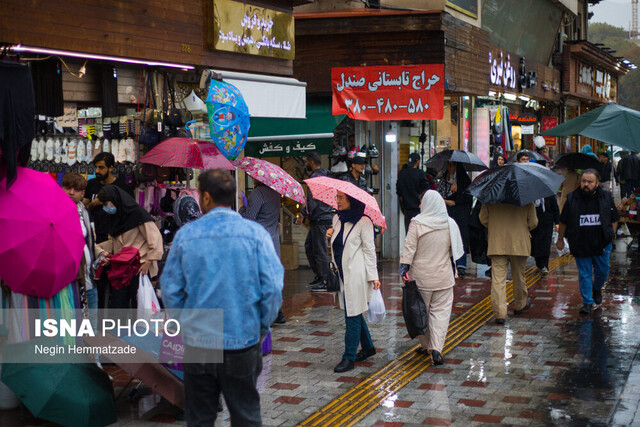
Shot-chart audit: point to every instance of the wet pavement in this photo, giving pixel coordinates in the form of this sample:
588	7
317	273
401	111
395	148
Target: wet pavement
548	366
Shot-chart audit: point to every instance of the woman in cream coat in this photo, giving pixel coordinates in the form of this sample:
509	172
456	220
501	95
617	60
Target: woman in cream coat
354	253
433	242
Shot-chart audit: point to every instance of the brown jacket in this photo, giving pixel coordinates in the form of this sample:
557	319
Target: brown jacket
509	228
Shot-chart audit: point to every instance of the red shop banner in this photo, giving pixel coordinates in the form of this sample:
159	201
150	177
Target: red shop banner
548	123
401	92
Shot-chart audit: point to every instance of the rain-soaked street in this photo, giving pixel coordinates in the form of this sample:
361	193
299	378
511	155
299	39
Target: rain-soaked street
548	366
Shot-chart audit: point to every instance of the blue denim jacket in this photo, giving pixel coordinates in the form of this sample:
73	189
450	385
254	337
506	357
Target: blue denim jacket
223	261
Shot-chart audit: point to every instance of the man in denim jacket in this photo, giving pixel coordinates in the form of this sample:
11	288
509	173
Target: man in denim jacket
222	261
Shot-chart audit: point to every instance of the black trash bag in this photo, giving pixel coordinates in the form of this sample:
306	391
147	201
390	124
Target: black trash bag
478	237
414	310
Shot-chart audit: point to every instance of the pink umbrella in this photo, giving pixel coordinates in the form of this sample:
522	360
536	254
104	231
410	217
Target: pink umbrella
325	189
187	153
272	176
41	244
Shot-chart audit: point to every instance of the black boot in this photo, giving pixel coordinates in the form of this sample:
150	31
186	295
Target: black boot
344	366
436	357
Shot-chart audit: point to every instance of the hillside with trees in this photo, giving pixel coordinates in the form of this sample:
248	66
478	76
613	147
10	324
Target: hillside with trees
617	39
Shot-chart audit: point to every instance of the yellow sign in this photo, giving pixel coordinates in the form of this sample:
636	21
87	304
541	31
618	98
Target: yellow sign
244	28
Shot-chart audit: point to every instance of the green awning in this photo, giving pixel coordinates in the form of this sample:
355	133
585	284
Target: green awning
294	137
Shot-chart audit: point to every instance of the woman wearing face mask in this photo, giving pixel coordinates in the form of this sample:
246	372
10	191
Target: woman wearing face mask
130	225
354	253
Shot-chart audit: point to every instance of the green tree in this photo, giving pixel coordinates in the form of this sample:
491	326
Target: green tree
617	39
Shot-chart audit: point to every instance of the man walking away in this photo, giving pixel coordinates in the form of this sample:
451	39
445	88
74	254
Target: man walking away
589	220
412	183
606	171
223	261
320	215
629	171
509	229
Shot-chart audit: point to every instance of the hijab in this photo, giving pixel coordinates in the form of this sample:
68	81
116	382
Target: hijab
129	214
354	213
433	213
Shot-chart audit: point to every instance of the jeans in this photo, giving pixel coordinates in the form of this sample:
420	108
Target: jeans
126	296
315	246
462	261
630	185
593	272
235	378
357	333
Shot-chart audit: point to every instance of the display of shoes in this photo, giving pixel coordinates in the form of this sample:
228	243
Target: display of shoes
373	151
364	150
352	152
367	169
340	151
340	167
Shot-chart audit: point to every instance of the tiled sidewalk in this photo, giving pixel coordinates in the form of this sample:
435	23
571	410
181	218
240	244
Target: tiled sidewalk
548	366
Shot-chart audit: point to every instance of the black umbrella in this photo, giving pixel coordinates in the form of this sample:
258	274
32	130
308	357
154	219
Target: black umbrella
515	184
532	156
470	161
576	161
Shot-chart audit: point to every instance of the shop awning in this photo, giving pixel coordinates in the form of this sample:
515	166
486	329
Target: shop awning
294	137
269	96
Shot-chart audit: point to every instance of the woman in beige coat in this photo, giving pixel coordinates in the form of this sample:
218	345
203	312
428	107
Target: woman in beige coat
132	226
354	254
432	242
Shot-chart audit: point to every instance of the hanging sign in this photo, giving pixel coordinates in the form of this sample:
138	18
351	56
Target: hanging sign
244	28
526	130
286	148
409	92
548	123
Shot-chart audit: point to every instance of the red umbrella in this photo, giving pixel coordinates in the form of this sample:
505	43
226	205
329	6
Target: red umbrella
41	244
272	176
187	153
325	189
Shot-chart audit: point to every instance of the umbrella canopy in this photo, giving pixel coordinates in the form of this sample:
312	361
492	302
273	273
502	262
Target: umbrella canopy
187	153
576	161
42	243
325	190
533	155
272	176
70	394
515	184
470	161
228	118
610	123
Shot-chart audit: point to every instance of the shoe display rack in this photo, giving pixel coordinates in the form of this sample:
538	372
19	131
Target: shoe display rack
341	157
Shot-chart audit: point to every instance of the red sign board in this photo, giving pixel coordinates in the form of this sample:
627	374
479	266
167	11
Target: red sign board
402	92
548	123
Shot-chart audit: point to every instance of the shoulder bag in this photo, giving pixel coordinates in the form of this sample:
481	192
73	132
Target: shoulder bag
333	278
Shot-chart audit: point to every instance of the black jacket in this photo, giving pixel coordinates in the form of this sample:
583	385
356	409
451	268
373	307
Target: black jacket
629	167
589	222
412	182
606	172
360	182
316	210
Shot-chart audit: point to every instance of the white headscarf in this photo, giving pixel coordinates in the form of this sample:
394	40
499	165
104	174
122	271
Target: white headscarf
433	213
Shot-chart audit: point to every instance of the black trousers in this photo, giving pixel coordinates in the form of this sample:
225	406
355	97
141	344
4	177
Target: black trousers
542	261
408	215
125	297
315	247
235	378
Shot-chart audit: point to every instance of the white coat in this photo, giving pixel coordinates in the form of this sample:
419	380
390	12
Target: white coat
358	264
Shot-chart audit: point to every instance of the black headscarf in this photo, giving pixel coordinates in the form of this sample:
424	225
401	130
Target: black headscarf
129	215
354	213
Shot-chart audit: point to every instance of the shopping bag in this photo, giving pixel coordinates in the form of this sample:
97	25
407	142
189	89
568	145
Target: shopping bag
414	310
376	312
172	352
148	305
267	345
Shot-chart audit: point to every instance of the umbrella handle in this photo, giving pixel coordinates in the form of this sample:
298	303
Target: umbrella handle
186	125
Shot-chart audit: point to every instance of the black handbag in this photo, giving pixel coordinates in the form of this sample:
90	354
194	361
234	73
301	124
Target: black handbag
333	278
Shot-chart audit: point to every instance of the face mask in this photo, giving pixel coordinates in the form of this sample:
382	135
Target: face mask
111	210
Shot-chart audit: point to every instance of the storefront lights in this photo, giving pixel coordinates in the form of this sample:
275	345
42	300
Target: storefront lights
510	96
390	136
524	98
20	48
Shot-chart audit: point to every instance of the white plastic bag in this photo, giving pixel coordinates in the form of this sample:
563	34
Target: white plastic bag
376	312
148	305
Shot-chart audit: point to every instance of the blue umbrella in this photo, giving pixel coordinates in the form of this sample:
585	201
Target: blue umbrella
228	118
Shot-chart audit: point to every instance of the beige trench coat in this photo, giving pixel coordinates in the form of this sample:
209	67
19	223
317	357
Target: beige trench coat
509	228
428	251
146	238
359	265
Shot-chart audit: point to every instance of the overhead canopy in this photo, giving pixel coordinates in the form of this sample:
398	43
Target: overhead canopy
294	137
611	123
269	96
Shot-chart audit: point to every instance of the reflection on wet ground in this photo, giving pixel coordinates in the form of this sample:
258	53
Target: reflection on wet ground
548	366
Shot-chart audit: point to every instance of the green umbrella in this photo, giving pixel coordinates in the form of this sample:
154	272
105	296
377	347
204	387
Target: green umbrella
610	123
71	394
